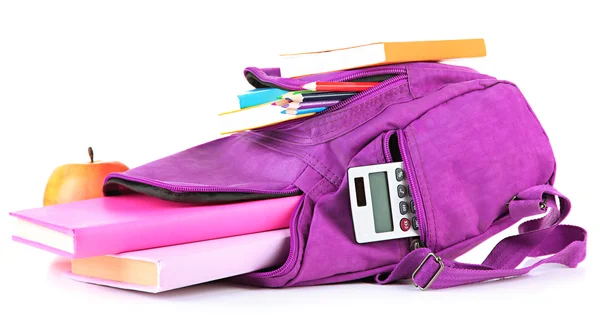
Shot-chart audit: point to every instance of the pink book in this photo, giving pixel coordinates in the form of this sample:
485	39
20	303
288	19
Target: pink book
111	225
172	267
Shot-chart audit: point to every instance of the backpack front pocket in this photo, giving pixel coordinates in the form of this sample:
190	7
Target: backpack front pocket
469	156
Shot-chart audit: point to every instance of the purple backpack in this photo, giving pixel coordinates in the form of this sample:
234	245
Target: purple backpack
476	157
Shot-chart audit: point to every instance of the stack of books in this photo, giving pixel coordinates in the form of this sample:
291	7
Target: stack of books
264	107
143	243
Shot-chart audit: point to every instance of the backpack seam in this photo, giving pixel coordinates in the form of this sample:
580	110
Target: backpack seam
425	181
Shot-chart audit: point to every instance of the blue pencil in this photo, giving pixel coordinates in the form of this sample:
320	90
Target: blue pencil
303	111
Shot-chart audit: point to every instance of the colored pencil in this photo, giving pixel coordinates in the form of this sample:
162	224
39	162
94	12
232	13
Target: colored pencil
318	97
281	102
303	112
326	86
310	105
290	93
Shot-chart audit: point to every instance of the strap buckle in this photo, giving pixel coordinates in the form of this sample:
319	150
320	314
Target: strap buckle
437	273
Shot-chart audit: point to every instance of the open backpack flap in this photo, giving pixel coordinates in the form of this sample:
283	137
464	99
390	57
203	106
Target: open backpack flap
476	158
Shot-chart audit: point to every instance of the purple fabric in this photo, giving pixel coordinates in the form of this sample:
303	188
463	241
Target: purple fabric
541	237
211	166
472	143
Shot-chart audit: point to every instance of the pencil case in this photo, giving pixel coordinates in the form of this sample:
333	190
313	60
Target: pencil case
476	159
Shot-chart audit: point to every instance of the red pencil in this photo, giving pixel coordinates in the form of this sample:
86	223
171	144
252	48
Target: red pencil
325	86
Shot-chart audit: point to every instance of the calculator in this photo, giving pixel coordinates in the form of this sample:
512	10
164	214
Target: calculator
381	202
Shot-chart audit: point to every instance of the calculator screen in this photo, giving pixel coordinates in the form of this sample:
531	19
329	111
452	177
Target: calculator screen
380	202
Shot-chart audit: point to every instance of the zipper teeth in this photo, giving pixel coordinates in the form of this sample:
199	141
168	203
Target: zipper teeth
401	72
373	73
285	267
386	147
298	86
416	194
401	76
180	188
289	262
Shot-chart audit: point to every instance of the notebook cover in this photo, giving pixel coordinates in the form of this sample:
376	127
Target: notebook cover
259	96
200	262
379	53
253	117
110	225
438	50
477	42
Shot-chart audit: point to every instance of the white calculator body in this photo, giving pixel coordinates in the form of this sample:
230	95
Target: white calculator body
381	202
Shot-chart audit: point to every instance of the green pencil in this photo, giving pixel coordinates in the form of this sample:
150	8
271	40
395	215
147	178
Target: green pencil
295	93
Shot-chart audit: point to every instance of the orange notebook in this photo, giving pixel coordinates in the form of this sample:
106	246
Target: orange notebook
302	64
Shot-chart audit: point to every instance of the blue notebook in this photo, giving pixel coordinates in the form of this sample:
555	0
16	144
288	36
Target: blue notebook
259	96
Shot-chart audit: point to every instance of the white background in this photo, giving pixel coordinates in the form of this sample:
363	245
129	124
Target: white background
139	80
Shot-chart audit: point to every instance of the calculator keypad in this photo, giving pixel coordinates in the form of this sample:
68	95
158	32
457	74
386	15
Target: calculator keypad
366	193
407	205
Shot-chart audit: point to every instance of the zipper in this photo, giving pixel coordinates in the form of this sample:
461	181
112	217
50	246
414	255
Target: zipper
412	183
182	188
386	147
401	76
410	175
398	71
342	76
292	256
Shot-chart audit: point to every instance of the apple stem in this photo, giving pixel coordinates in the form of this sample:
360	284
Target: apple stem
91	153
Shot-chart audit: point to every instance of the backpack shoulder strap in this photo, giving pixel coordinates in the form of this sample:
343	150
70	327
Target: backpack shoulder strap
540	237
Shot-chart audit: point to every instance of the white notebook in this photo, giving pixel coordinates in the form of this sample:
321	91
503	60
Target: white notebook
253	117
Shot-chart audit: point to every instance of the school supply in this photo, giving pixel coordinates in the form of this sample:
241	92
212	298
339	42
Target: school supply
167	268
459	134
298	112
281	103
255	117
252	118
377	54
309	105
381	202
293	93
259	96
325	86
317	96
109	225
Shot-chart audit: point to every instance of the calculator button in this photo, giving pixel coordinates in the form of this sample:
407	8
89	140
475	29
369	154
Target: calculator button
399	174
415	224
403	208
412	206
404	224
401	191
409	192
